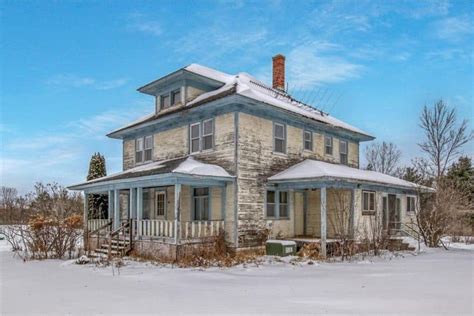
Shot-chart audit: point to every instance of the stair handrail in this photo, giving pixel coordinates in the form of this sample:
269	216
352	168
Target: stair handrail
116	233
412	232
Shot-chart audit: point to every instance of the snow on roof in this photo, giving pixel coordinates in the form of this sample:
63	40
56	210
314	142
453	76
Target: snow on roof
250	87
189	166
194	167
309	169
247	86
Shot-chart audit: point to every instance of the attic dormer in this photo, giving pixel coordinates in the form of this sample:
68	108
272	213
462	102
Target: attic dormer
182	86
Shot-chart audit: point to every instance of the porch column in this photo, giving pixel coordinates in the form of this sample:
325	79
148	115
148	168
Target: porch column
139	204
177	209
351	214
133	203
86	211
291	209
110	205
116	209
323	222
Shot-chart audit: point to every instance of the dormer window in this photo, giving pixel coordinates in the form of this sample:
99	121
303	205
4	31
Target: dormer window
143	149
165	101
175	97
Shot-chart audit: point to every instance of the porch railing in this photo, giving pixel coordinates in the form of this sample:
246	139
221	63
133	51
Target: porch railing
188	230
155	228
201	229
95	224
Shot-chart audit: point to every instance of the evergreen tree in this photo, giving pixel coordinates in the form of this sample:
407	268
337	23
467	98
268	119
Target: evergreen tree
98	203
461	173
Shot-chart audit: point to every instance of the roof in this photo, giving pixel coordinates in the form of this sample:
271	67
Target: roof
185	165
314	169
247	86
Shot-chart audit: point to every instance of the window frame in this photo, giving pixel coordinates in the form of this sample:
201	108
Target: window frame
306	132
346	153
276	205
173	100
275	138
162	103
165	202
200	125
413	198
369	211
143	151
200	199
326	137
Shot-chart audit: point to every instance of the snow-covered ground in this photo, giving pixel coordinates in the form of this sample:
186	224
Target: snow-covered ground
433	282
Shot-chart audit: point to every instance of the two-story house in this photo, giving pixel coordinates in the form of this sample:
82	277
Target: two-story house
227	152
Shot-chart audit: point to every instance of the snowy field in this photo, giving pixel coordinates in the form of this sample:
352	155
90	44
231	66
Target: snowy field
433	282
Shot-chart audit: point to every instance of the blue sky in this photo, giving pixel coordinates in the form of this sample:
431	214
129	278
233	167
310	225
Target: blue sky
70	69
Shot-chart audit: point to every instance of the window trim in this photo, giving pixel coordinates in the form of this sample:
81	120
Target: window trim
143	139
201	136
172	97
305	131
165	201
368	211
346	153
284	139
162	96
414	204
326	146
277	205
193	203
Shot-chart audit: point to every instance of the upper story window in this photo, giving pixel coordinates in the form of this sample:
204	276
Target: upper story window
165	101
328	145
343	146
410	204
175	97
368	202
279	138
201	136
143	149
308	140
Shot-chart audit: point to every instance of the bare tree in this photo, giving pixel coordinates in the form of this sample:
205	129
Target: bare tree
340	222
444	137
383	157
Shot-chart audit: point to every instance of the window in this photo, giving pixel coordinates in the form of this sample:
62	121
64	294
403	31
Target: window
328	145
410	204
279	134
160	203
147	196
283	206
143	149
308	140
368	202
201	204
343	151
277	204
175	97
207	134
195	137
165	101
271	204
201	136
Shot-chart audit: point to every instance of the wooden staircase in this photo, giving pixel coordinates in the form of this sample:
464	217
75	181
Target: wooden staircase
118	243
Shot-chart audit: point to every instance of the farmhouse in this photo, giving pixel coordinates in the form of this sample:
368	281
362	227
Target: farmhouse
227	153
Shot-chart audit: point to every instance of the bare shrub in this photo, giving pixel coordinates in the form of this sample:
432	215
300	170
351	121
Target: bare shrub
341	223
374	237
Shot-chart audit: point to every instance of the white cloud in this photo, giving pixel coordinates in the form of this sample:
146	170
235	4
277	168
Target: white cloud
319	63
74	81
149	27
454	28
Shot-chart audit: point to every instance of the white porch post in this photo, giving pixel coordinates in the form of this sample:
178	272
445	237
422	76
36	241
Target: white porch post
132	203
116	209
86	211
110	205
291	211
323	222
139	205
177	213
351	214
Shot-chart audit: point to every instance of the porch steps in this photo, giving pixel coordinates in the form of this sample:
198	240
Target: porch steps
397	244
117	248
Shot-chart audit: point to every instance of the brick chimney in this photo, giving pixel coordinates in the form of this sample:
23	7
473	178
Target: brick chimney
279	72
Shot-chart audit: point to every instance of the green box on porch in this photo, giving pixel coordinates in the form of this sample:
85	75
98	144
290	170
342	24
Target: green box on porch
280	248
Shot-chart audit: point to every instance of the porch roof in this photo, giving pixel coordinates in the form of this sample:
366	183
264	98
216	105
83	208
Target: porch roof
186	170
313	170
